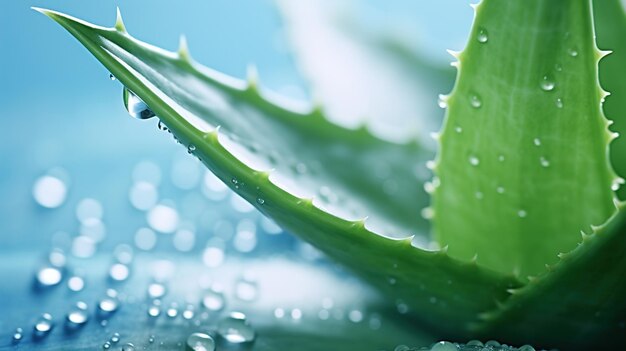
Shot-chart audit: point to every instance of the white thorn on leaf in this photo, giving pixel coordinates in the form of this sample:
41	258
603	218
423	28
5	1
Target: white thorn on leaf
119	22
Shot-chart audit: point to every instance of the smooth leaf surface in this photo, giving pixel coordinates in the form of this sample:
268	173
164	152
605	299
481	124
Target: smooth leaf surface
523	161
367	175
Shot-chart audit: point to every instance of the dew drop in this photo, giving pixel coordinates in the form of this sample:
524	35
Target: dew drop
444	346
458	130
188	313
77	316
235	329
200	342
107	306
115	337
522	214
501	158
479	195
48	276
76	283
162	126
154	311
156	290
119	272
355	316
526	348
547	82
500	190
474	161
18	335
111	76
544	162
537	142
559	102
49	191
128	347
573	52
191	148
172	311
213	300
441	101
260	201
482	36
296	314
135	106
43	326
279	313
106	345
475	101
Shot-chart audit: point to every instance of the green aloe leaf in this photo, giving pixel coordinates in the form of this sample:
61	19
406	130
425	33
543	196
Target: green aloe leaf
319	158
523	162
610	24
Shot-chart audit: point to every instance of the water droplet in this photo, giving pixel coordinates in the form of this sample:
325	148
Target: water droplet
522	214
200	342
48	276
213	300
444	346
43	326
500	190
296	314
558	67
279	313
76	283
213	256
111	76
77	316
191	148
163	218
260	201
355	316
189	312
402	307
235	329
172	311
323	314
246	289
559	102
49	191
479	195
162	126
441	101
135	106
156	290
143	195
537	142
500	158
458	130
18	335
392	281
115	338
151	339
547	82
106	345
154	311
107	306
474	161
119	272
128	347
482	36
526	348
544	162
475	101
573	52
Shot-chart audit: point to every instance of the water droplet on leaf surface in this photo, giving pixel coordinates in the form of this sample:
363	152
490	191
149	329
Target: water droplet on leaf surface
200	342
235	329
135	106
482	35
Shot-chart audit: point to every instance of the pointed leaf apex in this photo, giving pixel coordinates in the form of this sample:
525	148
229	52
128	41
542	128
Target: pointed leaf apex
454	54
360	223
183	49
119	22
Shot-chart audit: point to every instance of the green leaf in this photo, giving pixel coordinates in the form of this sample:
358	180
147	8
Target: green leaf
523	162
576	302
367	175
610	24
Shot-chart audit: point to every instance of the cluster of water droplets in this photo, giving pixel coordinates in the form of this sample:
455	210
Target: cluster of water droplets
473	345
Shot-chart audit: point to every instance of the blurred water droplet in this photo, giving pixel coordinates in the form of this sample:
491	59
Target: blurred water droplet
279	313
213	256
107	306
573	52
458	130
115	338
135	106
475	101
213	300
154	311
119	272
123	253
500	158
441	101
106	345
191	148
128	347
48	276
43	326
184	240
49	191
235	329
260	200
200	342
323	314
145	239
547	82
500	190
89	208
147	171
76	283
537	142
18	335
77	316
143	195
402	307
482	36
375	321
245	240
111	76
189	312
544	162
163	218
156	290
355	316
172	311
246	289
473	160
559	103
444	346
479	195
296	314
522	213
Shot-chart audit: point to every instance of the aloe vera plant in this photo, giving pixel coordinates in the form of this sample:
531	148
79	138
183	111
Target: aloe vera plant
522	170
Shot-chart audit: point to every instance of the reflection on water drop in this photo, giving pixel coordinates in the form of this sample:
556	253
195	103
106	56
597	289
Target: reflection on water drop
559	103
444	346
43	326
128	347
189	312
200	342
172	311
107	306
154	311
119	272
77	316
355	316
156	290
115	337
135	106
547	82
482	36
49	191
48	276
213	256
106	345
573	52
18	335
235	329
475	101
279	313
